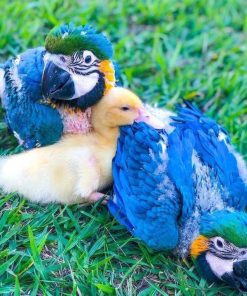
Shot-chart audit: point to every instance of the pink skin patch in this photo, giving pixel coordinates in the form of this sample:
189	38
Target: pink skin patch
96	196
75	121
150	119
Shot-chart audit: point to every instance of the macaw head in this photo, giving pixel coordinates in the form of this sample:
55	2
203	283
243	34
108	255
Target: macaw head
220	251
78	68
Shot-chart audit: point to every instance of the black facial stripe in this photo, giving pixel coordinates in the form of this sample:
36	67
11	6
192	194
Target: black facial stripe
228	251
78	68
225	255
77	55
85	73
76	60
92	71
82	68
79	71
88	72
80	61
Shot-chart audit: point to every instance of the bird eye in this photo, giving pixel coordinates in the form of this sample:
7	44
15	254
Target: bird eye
62	59
125	108
88	59
219	244
242	253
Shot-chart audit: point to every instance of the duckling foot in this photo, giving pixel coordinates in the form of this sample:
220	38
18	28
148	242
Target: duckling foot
96	196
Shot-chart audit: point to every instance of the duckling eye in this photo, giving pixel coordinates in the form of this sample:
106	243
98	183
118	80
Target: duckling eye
125	108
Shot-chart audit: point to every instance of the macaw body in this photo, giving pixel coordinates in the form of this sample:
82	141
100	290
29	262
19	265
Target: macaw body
172	185
45	91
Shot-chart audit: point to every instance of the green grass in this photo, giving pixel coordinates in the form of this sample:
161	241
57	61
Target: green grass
168	50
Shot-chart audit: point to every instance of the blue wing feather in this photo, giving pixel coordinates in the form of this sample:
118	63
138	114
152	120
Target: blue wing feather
138	204
213	152
33	122
180	169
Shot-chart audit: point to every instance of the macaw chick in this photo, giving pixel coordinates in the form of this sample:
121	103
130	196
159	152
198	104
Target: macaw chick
45	91
77	167
184	189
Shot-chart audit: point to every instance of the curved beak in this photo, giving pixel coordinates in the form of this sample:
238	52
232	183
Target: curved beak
150	119
57	83
237	278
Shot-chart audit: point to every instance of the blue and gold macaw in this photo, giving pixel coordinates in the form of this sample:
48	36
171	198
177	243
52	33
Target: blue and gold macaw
184	189
71	73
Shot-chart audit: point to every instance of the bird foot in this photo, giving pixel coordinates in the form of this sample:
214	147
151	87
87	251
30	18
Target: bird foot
96	196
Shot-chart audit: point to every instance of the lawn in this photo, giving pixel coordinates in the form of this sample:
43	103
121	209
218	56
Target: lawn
167	50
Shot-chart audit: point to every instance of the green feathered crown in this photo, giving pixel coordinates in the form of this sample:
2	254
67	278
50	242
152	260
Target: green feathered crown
232	226
67	39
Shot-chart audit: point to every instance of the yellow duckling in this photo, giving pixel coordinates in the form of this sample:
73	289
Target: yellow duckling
75	169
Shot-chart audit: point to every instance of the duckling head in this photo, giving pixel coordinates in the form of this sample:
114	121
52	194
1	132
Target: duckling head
121	107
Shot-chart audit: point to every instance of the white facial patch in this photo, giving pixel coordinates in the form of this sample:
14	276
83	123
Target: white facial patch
219	266
2	83
48	57
84	83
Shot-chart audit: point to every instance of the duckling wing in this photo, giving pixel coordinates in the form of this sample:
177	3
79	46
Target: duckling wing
145	200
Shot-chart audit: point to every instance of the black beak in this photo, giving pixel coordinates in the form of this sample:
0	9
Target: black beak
57	83
238	278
